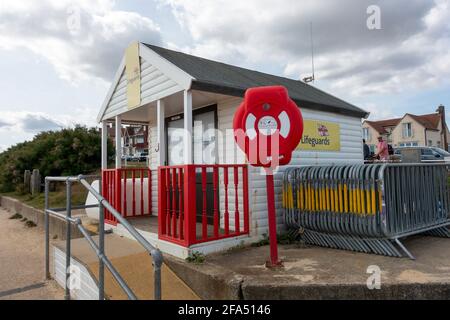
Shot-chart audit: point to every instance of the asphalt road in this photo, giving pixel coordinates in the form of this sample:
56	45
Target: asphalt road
22	262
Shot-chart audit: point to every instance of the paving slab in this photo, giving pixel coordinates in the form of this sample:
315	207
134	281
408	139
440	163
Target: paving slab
319	273
22	270
134	264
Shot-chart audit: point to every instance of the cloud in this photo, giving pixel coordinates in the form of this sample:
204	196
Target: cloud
30	122
81	41
18	126
412	49
36	123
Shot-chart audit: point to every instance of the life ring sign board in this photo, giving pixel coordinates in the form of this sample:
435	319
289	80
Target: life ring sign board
268	127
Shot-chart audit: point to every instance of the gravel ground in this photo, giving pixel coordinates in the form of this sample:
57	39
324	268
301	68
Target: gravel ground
22	262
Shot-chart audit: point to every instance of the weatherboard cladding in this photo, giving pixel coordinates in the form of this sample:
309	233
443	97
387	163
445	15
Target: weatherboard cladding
213	76
154	83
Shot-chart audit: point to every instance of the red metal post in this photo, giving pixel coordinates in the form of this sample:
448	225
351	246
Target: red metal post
272	221
180	204
125	205
237	223
190	205
119	191
245	193
216	201
161	202
174	202
142	191
133	174
226	214
104	192
149	191
204	217
168	204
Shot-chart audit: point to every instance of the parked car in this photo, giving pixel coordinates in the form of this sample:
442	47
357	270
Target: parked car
143	157
130	158
425	154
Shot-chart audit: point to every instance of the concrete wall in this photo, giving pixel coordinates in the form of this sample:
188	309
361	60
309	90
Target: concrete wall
88	289
57	226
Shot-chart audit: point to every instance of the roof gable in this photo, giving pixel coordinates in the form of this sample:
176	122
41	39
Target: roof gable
158	78
428	121
380	126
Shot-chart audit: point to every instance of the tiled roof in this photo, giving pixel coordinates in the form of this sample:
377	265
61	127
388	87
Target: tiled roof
381	125
428	121
213	76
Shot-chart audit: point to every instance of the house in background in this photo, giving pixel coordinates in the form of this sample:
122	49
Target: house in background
134	138
411	130
373	129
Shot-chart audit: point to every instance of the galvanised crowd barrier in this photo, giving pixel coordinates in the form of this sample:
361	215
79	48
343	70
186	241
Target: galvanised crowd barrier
367	208
98	247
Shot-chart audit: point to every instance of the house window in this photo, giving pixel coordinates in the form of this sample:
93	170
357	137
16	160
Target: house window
407	130
366	134
430	143
140	140
439	144
409	144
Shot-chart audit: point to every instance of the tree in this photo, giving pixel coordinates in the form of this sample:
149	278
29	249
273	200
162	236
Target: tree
55	153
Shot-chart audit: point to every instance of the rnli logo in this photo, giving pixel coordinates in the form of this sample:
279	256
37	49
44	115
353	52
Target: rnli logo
323	130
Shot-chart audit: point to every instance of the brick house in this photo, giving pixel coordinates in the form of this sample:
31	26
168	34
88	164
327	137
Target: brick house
411	130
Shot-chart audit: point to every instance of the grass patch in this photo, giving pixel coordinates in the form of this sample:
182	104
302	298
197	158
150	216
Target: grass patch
30	224
16	216
263	242
57	199
196	258
238	247
291	237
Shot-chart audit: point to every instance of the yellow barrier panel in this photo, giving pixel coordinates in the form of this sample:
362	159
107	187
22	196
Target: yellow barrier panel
363	201
346	200
336	200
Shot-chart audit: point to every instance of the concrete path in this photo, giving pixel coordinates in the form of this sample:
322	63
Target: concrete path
22	262
134	264
318	273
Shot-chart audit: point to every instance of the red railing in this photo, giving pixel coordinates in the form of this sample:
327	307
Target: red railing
129	191
202	203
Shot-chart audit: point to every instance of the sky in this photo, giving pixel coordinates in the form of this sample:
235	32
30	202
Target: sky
58	57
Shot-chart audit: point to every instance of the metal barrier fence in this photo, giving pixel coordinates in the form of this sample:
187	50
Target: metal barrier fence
367	208
65	214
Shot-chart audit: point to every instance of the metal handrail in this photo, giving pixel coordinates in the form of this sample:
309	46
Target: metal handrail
100	248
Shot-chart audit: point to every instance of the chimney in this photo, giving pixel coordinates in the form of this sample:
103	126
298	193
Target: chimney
441	111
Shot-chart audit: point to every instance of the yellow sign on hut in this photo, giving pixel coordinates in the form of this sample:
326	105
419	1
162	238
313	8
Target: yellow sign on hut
133	73
320	136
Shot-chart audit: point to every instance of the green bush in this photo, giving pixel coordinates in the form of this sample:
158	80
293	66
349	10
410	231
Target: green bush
55	153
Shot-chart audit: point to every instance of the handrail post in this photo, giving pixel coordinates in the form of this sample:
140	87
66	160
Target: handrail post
47	231
101	245
68	237
157	265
